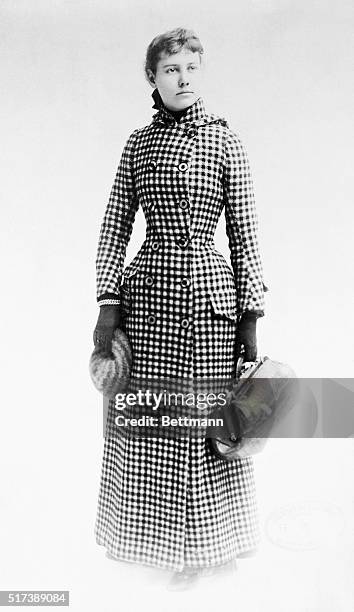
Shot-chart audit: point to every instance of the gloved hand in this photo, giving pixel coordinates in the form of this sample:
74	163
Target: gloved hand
108	320
246	336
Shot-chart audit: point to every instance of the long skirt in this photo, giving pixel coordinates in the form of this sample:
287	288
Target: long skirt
170	502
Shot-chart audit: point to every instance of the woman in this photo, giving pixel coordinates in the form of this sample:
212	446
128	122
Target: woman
171	503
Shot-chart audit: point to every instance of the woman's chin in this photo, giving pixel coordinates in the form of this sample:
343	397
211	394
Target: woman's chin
182	101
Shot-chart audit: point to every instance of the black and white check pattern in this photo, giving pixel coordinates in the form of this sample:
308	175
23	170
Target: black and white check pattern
164	502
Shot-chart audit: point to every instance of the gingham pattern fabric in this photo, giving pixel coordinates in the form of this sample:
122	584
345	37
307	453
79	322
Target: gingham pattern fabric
183	175
171	503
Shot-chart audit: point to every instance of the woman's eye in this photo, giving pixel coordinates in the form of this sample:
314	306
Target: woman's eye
168	70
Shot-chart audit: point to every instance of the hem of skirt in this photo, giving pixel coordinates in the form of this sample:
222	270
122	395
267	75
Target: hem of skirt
137	559
173	567
232	557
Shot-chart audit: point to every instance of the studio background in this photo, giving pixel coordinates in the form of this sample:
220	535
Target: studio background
73	89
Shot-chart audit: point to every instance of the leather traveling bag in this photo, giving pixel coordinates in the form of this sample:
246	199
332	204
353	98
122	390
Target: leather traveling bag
263	394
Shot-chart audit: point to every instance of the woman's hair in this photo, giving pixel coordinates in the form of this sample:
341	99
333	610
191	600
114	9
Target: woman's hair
171	42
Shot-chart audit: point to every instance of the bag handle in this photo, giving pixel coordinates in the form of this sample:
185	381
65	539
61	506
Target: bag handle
239	365
240	362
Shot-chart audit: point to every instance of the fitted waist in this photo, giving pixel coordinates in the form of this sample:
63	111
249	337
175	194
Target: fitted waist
183	241
195	257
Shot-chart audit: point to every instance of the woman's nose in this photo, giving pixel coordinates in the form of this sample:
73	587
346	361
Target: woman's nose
183	80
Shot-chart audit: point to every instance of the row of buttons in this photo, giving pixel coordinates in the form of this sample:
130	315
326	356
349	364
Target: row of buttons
182	204
185	282
181	242
182	167
152	319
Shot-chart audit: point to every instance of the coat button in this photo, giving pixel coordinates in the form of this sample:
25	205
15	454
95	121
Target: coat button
184	323
185	282
182	242
155	245
191	132
152	164
183	204
149	281
151	319
183	166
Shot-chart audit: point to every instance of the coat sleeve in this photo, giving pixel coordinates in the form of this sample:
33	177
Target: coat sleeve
116	229
242	228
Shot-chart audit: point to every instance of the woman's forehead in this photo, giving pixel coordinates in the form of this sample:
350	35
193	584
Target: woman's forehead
175	58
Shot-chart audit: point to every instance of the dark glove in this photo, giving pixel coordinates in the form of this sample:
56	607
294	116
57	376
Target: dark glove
108	320
246	336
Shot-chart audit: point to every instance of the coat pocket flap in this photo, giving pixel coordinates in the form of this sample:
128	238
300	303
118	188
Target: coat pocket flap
135	265
225	303
222	288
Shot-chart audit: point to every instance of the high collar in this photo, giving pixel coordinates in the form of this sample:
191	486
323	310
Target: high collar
195	113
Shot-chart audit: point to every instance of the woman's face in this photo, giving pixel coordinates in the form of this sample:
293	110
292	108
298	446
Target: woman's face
179	78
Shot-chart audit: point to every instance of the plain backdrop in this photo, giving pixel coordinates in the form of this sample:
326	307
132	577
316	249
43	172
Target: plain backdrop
73	89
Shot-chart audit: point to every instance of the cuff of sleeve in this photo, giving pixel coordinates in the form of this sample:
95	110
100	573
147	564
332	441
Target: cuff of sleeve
108	298
107	302
252	314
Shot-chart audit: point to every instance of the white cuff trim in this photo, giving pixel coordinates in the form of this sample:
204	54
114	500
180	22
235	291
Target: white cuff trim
104	302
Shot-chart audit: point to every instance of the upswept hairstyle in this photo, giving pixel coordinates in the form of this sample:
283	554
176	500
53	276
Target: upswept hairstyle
170	42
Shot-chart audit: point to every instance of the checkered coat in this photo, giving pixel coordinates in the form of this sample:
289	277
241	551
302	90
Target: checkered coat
163	502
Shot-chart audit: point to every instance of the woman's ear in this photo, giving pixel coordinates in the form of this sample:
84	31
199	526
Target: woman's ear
151	77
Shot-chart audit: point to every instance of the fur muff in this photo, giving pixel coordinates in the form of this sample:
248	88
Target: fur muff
109	373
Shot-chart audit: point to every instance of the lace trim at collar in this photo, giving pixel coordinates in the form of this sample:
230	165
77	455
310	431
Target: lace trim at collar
195	115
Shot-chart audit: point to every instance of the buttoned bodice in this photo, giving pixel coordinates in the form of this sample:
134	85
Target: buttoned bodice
183	175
